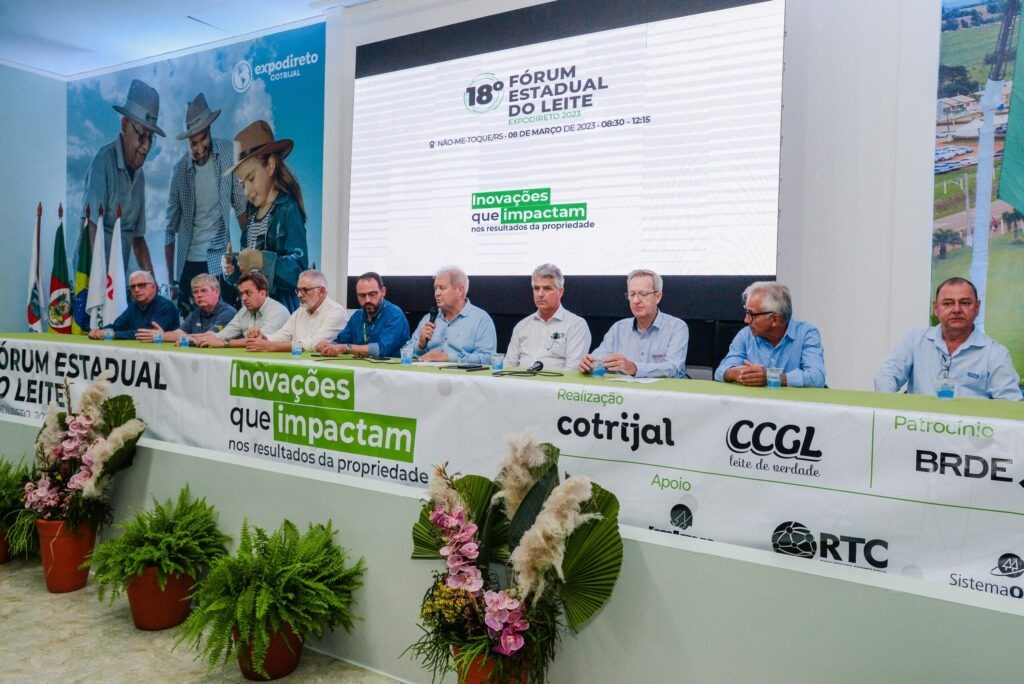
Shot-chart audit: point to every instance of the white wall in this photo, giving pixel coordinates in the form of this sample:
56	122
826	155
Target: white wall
33	132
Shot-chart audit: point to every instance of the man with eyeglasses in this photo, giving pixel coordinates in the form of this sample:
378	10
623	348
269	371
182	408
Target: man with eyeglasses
115	178
200	205
259	315
146	309
378	329
652	344
954	353
552	335
318	318
773	339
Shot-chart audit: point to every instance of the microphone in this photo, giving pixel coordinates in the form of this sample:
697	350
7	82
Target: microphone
433	314
537	367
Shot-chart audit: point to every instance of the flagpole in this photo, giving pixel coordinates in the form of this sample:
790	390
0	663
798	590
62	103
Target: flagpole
39	258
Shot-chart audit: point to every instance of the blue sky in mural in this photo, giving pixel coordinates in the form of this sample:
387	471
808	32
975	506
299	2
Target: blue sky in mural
290	98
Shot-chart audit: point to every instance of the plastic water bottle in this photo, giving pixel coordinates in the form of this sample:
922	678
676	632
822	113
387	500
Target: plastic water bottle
158	337
407	354
108	334
296	348
183	340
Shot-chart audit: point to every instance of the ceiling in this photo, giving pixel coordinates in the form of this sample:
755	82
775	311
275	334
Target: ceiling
68	38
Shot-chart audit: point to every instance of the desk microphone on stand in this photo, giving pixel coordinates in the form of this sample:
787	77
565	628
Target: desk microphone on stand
537	367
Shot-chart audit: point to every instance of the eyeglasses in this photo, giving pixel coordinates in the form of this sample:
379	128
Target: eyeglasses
306	290
640	295
138	286
367	295
755	314
145	135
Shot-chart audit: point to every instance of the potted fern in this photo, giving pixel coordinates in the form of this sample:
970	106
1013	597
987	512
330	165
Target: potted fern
17	523
260	604
158	558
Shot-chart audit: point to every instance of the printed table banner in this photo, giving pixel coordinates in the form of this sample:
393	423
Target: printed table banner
930	495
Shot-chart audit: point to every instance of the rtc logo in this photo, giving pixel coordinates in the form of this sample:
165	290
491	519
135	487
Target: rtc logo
786	441
795	539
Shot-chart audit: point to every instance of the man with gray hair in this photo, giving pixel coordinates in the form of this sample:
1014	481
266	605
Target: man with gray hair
210	315
318	318
652	344
773	339
462	333
552	335
146	310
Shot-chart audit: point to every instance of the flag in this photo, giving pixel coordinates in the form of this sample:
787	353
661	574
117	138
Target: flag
117	290
1011	177
34	310
60	285
83	263
95	301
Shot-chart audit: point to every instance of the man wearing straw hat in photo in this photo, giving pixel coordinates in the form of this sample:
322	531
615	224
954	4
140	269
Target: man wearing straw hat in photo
115	177
200	204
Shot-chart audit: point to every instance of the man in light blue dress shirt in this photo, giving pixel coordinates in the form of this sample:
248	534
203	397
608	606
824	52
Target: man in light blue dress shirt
462	333
978	366
773	339
652	344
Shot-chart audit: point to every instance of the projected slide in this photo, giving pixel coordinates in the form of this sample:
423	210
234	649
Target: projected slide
655	145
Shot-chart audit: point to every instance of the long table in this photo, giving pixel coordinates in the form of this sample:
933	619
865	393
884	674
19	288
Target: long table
886	483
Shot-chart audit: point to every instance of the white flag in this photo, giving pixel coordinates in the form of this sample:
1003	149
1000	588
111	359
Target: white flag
34	308
99	282
117	290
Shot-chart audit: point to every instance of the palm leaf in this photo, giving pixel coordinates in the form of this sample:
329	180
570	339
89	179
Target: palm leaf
593	559
533	502
117	411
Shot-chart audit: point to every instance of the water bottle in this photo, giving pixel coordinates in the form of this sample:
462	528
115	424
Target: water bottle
183	340
296	348
158	337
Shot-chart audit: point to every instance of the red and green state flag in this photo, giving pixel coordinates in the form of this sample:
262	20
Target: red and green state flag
60	287
33	309
83	264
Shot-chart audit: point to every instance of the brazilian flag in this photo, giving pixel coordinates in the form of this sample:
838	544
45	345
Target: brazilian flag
83	266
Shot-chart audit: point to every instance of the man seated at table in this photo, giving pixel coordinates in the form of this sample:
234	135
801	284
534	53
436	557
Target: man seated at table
552	335
979	366
378	329
773	339
259	315
210	315
318	318
146	309
462	333
652	344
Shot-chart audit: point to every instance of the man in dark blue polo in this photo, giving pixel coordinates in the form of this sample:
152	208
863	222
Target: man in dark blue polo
145	309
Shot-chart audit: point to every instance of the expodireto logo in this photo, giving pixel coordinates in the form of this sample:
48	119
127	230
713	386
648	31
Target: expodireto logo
241	76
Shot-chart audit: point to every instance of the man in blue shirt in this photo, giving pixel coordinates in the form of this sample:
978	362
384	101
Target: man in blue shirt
954	350
652	344
773	339
211	314
378	329
462	333
146	309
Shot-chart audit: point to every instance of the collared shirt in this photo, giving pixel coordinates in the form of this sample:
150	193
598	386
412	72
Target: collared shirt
198	322
109	183
468	338
558	343
312	328
161	310
798	354
181	206
980	366
384	335
269	318
658	352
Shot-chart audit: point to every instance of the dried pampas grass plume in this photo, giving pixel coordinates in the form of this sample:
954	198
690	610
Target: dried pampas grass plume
543	545
516	477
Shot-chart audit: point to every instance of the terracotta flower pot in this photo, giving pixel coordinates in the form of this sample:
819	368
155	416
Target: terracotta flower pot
482	672
63	551
282	658
5	549
153	608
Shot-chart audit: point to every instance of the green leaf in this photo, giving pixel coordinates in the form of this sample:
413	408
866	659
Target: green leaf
117	411
593	559
532	504
492	534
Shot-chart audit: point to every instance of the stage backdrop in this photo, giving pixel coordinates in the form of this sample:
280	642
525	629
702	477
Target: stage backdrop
278	78
977	219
